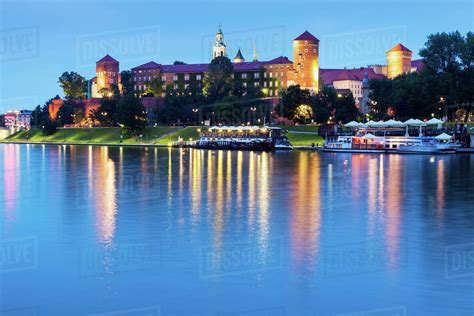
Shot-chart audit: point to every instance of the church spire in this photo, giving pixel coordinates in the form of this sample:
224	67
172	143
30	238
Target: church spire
219	48
255	53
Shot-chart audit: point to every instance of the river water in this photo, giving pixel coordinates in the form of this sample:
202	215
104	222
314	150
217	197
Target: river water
137	231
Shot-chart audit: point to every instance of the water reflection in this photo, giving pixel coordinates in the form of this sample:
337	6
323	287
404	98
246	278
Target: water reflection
11	156
102	171
305	203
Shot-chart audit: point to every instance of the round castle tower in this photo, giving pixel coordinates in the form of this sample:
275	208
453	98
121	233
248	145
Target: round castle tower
398	61
306	61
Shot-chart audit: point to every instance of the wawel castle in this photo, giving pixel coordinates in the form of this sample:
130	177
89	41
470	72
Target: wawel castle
270	76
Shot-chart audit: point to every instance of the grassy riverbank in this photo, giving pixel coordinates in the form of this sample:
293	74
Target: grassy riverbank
152	135
96	135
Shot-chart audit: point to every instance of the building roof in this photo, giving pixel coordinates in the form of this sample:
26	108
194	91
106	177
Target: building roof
306	36
279	60
149	65
191	68
328	76
399	48
419	64
239	55
249	66
108	58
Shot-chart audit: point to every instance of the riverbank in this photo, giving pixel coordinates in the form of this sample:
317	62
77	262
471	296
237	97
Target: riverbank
152	137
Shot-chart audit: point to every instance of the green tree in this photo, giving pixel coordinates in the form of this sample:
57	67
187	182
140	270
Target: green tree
155	87
218	80
131	114
291	98
73	84
66	112
127	83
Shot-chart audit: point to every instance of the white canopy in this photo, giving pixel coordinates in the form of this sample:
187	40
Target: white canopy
376	124
444	136
394	123
414	122
369	136
434	121
352	124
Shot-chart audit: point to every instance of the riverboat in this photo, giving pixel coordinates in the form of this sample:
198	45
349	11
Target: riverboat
365	142
259	138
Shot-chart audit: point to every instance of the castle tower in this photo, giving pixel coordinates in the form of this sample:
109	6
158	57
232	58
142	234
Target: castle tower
306	61
239	58
107	72
255	53
219	48
398	61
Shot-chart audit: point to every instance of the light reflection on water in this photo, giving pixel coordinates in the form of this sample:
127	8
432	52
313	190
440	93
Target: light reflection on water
281	231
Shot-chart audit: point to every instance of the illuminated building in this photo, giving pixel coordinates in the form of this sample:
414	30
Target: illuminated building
306	61
398	61
107	74
18	120
219	48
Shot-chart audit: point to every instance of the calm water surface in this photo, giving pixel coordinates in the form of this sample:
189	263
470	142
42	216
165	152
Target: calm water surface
114	231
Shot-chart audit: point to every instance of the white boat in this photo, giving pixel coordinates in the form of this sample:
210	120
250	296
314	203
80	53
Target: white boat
369	143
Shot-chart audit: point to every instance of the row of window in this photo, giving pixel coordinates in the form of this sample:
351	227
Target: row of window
256	75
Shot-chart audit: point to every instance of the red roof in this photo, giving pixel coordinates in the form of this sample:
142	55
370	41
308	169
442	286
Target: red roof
399	48
328	76
419	64
149	65
279	60
306	36
108	58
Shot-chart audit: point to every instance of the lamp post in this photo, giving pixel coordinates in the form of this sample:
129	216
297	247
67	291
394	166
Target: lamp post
253	109
445	109
195	111
90	133
43	132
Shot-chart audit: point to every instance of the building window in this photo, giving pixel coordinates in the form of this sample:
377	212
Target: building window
306	50
256	75
175	87
163	78
175	77
256	84
186	77
244	76
265	75
198	77
186	86
271	92
271	74
271	83
265	84
245	84
281	74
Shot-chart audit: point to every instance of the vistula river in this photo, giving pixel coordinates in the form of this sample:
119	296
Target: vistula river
145	231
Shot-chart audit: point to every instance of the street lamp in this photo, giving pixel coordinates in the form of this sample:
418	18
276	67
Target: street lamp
90	133
253	109
195	111
443	102
43	132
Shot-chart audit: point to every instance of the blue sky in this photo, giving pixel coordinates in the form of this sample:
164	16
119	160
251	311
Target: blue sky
41	39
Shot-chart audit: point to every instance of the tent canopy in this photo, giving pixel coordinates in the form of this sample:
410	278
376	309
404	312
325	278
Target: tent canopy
369	136
444	136
434	121
414	122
